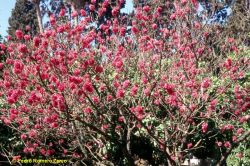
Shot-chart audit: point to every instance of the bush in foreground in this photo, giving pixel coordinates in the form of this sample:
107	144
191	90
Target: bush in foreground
107	96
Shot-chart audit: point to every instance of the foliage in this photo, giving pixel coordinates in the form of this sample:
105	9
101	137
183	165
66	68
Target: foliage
241	155
105	95
100	14
23	17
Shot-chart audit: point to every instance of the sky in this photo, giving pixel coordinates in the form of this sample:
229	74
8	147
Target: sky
5	11
128	7
7	5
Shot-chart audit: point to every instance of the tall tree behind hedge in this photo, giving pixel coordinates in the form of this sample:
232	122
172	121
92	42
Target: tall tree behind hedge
22	15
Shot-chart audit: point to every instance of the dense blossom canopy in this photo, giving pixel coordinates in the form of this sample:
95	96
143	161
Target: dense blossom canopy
89	94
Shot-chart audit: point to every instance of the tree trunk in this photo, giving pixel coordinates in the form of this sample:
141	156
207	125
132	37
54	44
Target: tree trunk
222	162
73	6
128	157
39	16
247	3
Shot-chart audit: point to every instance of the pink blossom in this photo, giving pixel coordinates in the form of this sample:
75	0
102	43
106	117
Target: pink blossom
159	9
61	29
2	46
173	16
195	3
62	12
139	109
27	28
154	26
189	145
52	19
234	138
157	102
83	13
9	38
32	134
54	125
16	158
99	69
88	87
204	127
105	126
239	155
115	11
184	2
50	152
27	37
13	111
18	67
88	110
134	90
91	7
1	66
121	119
22	48
36	41
228	63
144	80
26	150
37	126
146	8
219	144
240	131
96	99
61	87
19	34
227	144
122	31
23	136
120	93
169	88
102	87
147	91
74	14
206	83
54	116
6	121
109	97
125	84
118	64
134	30
58	101
213	104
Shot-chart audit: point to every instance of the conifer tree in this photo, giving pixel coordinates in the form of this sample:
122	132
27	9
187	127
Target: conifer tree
23	15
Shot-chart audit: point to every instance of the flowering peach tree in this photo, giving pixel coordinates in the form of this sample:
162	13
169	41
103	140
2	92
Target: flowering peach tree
99	95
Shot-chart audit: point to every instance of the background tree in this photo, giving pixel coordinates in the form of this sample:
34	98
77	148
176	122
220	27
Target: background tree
54	7
23	14
38	14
